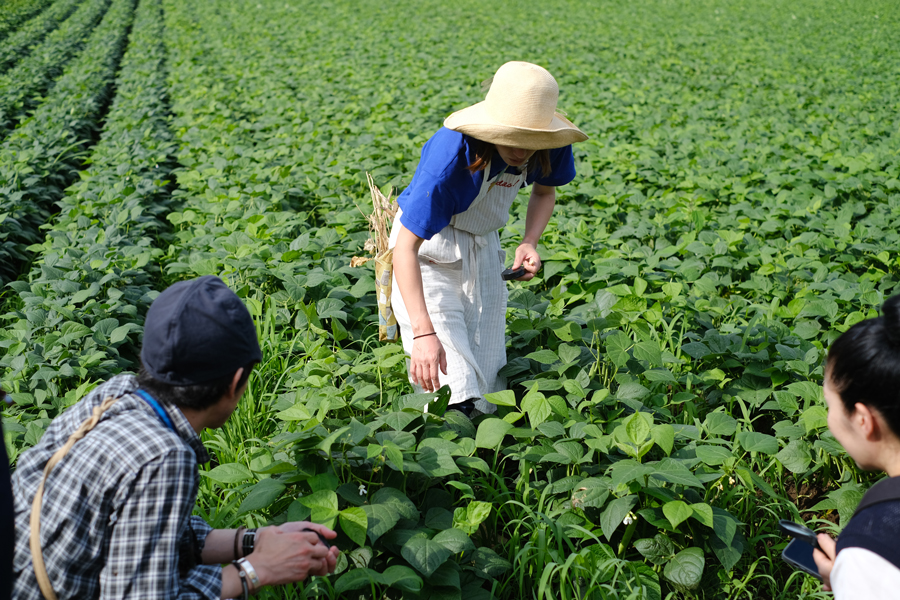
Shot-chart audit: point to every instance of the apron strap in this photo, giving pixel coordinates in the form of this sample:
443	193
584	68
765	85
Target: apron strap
37	557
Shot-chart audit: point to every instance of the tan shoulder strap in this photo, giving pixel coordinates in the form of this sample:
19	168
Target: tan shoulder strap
37	558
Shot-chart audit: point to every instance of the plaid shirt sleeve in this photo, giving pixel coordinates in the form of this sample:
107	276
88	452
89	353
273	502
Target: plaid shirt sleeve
145	539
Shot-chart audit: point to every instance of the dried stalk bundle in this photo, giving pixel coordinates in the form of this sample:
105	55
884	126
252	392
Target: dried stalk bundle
383	212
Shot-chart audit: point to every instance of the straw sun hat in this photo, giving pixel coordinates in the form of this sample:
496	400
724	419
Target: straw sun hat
519	111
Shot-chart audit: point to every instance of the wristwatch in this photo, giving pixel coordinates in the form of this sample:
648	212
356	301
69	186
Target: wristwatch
249	541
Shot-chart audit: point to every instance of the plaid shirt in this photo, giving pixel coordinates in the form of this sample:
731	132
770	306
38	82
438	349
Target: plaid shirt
116	519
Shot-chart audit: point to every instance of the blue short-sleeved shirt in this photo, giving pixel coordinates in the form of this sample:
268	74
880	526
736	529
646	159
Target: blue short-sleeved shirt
442	186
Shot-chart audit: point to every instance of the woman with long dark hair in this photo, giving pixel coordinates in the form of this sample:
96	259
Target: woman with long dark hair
862	389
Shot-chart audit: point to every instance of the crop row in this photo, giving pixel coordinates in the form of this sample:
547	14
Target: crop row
42	156
16	12
321	304
95	274
19	44
734	209
22	86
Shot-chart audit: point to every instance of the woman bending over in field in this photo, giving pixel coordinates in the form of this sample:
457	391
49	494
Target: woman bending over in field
862	389
448	296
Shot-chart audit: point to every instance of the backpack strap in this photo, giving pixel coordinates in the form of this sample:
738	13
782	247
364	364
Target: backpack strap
883	491
37	557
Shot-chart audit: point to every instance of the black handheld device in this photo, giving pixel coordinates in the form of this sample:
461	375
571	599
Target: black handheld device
801	532
321	537
799	555
509	274
799	552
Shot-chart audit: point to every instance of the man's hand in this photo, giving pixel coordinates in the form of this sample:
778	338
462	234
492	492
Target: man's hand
528	257
286	553
825	558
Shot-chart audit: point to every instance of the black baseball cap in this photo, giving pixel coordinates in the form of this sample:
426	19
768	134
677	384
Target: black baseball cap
198	331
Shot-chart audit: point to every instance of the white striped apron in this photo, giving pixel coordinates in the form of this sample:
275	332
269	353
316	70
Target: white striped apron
464	294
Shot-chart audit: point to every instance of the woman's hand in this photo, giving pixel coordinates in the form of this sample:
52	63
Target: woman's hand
286	553
427	357
527	256
825	558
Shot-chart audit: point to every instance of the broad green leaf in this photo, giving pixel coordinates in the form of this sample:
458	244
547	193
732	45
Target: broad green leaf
674	472
228	473
626	471
814	418
677	512
298	412
324	506
380	519
262	495
795	456
402	578
753	441
354	524
703	513
536	405
615	513
663	436
468	518
454	540
425	555
686	568
720	424
727	542
387	507
637	428
502	398
356	579
617	346
546	357
489	562
657	549
713	455
491	432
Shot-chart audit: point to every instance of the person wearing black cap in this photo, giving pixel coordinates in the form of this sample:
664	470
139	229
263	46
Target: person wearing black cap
103	502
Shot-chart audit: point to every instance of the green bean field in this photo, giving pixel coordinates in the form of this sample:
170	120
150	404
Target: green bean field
736	208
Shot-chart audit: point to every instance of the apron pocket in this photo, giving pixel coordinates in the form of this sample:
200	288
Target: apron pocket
442	248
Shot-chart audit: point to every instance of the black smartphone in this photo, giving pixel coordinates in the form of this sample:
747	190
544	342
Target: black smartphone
509	274
799	555
799	552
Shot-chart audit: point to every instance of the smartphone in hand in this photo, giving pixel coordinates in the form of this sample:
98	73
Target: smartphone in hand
509	274
799	552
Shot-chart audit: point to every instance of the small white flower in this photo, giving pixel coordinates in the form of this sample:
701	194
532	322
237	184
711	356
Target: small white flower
362	490
629	519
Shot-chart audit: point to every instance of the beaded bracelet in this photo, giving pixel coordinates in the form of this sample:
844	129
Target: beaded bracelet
415	337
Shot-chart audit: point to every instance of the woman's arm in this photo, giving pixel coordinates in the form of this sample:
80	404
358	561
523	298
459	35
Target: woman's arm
540	209
427	352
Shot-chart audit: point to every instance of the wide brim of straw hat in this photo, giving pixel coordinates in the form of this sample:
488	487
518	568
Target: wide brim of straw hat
476	122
